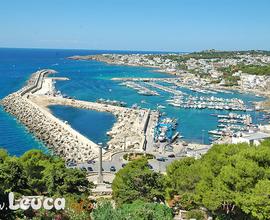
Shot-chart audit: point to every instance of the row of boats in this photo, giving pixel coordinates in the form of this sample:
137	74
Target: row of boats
201	102
174	91
230	124
142	90
112	102
165	130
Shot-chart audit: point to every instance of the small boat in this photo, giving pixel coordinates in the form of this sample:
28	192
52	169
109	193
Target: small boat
161	106
162	137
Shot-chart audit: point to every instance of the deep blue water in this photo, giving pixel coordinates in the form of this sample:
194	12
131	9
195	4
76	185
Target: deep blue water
89	80
91	124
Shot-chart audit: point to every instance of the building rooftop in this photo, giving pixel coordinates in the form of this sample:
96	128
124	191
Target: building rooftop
256	136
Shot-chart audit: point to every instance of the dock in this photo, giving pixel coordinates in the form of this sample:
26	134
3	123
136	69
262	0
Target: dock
142	90
166	89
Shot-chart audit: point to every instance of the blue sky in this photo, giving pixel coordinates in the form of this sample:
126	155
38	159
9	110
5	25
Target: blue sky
160	25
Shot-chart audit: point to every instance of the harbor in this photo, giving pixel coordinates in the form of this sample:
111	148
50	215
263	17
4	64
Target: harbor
230	124
212	102
30	106
160	115
166	89
192	94
142	90
164	117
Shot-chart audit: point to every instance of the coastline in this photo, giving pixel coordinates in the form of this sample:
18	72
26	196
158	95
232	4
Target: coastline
30	106
262	105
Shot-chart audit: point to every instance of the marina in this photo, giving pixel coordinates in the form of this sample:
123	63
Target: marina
200	102
230	124
87	82
139	88
30	107
164	88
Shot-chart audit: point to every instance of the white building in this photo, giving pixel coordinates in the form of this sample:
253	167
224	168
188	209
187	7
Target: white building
254	138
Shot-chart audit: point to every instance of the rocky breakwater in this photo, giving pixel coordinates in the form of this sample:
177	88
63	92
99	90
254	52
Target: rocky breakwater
127	133
61	138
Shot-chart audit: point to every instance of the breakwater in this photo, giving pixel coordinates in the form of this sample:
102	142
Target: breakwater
127	133
64	141
30	107
55	134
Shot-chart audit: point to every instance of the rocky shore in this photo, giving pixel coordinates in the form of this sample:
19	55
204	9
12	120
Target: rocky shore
49	130
29	106
63	140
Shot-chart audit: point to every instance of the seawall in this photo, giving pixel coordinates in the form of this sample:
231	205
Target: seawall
30	107
55	134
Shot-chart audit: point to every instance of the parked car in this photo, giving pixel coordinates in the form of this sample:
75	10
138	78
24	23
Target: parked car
90	169
162	159
91	161
112	169
123	165
71	164
150	166
83	169
171	155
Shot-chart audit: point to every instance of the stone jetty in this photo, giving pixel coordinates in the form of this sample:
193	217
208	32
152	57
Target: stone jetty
30	106
127	132
64	142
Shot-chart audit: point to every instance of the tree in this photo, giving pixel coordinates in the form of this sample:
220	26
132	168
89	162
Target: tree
137	181
36	173
12	176
257	202
227	180
3	155
12	179
34	163
138	210
182	176
105	210
62	181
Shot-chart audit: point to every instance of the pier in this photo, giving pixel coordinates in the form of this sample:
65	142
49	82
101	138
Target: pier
30	106
140	89
144	79
166	89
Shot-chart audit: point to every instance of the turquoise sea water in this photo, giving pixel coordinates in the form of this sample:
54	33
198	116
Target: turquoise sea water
90	80
93	80
16	65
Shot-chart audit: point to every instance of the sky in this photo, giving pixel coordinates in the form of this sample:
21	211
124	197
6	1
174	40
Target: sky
157	25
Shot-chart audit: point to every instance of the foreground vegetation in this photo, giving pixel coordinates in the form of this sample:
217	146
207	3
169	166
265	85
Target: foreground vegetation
38	174
138	210
229	182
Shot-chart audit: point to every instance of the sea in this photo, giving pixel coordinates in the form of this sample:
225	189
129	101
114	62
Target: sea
91	80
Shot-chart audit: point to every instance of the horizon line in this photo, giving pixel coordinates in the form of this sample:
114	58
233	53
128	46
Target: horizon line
130	50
